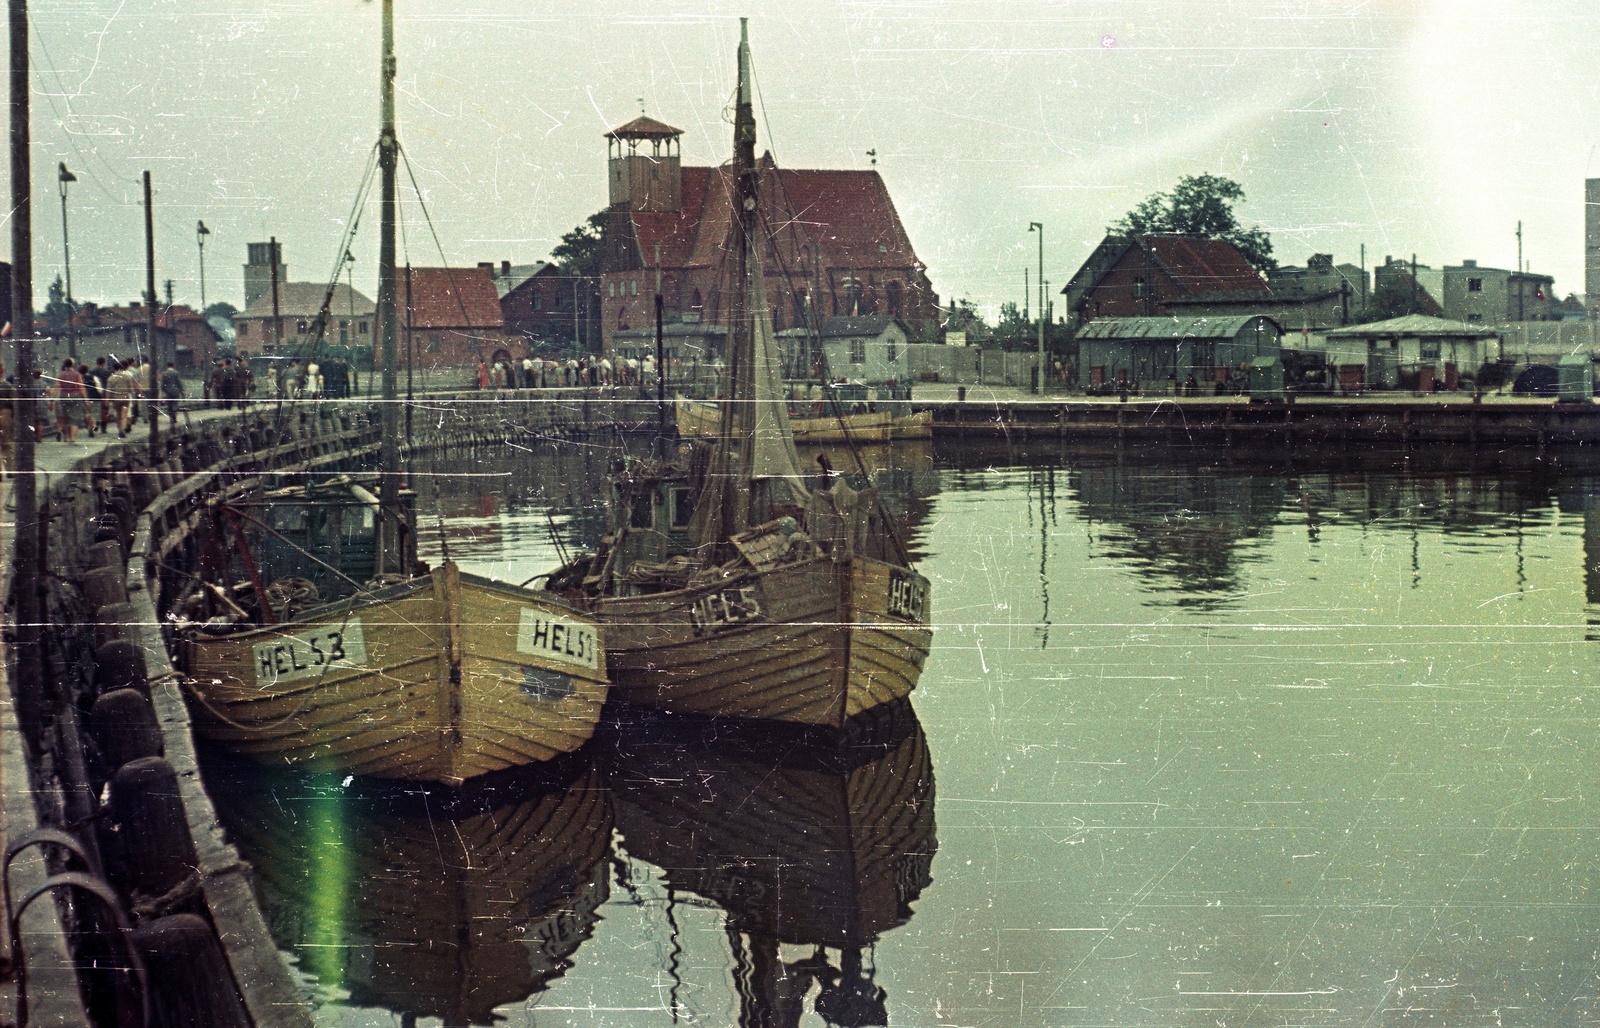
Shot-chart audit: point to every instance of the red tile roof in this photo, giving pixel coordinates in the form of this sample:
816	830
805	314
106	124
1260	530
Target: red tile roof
847	215
850	216
1204	265
449	298
166	316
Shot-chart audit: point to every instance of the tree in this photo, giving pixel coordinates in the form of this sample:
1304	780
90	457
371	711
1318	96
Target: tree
58	312
963	316
1200	205
221	309
579	250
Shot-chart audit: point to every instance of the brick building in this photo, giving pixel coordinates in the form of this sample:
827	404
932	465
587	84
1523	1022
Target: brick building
257	330
182	335
1149	276
834	242
452	316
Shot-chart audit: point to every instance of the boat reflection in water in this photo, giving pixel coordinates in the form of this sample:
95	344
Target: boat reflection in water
824	848
429	907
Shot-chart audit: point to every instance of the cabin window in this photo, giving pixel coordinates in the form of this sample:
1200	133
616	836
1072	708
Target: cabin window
639	512
682	509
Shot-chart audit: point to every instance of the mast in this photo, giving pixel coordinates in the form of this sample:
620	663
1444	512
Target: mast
388	454
737	411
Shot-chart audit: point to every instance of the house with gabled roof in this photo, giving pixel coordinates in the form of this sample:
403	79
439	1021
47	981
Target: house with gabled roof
286	328
1141	276
182	335
835	245
450	317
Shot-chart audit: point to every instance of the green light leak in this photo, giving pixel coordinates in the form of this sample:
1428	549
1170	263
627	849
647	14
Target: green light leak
328	863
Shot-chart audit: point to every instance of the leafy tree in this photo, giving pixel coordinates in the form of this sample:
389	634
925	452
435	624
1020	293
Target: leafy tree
963	316
578	253
1200	205
221	309
58	311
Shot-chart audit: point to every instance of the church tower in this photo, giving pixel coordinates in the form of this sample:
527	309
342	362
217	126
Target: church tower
647	182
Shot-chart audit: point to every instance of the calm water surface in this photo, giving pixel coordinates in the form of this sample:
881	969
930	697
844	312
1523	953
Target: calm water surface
1199	744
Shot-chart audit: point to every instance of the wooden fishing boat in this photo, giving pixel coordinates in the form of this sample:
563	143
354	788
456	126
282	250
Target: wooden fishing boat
797	851
365	889
728	584
441	678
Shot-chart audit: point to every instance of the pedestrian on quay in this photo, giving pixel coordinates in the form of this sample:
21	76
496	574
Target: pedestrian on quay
214	385
172	392
120	390
101	373
70	402
92	399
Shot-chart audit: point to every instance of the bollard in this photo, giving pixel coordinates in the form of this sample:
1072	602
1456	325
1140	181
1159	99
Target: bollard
116	621
103	586
120	665
148	810
122	724
191	985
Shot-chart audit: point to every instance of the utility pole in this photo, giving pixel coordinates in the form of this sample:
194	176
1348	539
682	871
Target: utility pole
1038	380
1027	288
30	663
152	351
1519	271
1363	276
200	233
168	285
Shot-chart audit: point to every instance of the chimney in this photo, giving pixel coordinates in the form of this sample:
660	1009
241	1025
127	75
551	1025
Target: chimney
505	269
487	266
1469	264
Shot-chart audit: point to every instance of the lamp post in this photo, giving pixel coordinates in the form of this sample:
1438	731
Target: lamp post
200	233
1038	382
65	178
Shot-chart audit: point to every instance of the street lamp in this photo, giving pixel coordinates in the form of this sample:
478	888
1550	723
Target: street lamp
1038	384
63	179
200	233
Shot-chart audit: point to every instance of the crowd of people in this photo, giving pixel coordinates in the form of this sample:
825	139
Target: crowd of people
95	399
547	373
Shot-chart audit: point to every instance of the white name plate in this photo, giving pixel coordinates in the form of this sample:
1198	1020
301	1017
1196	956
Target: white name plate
557	638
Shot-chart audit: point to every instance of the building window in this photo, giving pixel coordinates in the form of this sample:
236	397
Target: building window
799	307
301	327
1474	317
1474	285
244	329
633	287
1141	289
535	299
695	300
361	328
1430	349
611	290
858	351
893	352
435	343
893	290
344	332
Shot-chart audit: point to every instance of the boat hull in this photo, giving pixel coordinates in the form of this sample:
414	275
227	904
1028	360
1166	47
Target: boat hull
815	643
442	679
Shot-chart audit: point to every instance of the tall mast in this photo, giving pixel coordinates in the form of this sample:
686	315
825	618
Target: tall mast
388	453
737	412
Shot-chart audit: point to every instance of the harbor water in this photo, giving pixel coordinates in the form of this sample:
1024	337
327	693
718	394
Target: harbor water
1200	741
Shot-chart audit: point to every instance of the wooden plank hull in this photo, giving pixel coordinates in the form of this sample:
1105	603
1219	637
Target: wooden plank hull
439	680
811	643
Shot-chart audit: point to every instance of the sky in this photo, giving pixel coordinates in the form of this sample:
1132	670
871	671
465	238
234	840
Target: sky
1426	127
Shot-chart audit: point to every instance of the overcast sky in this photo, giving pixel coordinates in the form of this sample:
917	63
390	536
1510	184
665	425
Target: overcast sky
1426	126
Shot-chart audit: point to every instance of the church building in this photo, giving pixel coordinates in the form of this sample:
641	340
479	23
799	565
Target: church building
834	242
